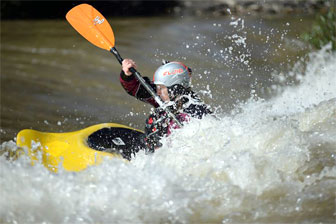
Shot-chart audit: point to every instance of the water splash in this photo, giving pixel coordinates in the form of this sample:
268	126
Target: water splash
268	161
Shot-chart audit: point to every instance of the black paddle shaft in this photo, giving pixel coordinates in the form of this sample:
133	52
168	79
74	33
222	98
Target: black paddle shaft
147	87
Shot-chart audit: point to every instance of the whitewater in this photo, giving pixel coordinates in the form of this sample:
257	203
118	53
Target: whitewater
268	160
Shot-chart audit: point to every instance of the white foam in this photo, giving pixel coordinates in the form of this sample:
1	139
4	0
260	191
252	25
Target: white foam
270	161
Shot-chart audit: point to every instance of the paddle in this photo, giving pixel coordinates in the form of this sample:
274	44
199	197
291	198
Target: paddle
93	26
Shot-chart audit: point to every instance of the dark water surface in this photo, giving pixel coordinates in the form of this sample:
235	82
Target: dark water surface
54	80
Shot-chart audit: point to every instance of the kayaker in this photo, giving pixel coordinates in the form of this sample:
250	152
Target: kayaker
172	82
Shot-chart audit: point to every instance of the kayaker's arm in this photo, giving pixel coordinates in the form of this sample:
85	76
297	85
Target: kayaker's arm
133	86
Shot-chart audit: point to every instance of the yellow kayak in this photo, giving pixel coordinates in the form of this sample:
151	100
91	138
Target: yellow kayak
79	149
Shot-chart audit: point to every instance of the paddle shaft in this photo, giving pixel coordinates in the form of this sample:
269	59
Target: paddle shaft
114	51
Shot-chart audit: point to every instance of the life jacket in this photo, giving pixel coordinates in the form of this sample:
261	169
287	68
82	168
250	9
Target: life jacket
159	125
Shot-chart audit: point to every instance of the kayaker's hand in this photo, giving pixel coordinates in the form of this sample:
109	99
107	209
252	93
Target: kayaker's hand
126	65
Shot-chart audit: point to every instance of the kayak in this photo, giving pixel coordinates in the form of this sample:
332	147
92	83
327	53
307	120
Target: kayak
80	149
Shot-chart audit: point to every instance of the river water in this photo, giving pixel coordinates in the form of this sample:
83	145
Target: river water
270	157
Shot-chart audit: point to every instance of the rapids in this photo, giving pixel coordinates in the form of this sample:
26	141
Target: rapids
265	161
269	156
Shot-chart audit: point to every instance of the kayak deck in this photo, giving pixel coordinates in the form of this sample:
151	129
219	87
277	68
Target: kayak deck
125	141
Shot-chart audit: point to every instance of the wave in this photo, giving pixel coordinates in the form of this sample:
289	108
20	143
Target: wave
268	161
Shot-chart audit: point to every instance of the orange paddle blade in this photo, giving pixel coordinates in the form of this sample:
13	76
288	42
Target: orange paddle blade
92	25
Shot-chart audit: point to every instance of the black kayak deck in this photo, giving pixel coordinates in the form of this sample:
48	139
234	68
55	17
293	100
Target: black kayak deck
127	142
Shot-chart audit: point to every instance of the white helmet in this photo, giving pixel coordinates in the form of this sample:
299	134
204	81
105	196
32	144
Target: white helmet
172	73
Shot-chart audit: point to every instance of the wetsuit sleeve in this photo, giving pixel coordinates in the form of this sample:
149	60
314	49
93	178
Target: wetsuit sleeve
134	88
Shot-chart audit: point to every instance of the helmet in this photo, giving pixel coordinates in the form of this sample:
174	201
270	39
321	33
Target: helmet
172	73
